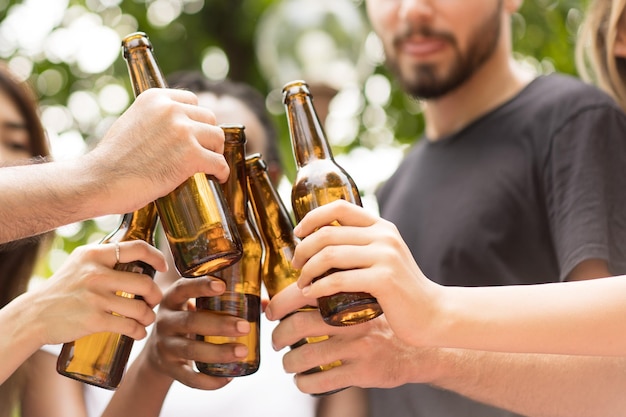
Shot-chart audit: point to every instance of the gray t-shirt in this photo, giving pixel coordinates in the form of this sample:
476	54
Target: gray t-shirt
520	196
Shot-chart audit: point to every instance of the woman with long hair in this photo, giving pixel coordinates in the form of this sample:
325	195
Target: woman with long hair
22	139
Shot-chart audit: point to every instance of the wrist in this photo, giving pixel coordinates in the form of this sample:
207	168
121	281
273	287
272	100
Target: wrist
151	365
443	315
90	185
23	325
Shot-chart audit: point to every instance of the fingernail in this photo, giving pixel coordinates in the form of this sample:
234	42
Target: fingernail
243	326
268	313
217	285
306	290
241	351
296	229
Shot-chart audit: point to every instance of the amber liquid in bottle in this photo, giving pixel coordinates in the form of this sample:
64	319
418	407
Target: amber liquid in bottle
100	359
198	226
243	279
319	181
276	229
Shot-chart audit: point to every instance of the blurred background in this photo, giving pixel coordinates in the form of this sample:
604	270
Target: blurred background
69	50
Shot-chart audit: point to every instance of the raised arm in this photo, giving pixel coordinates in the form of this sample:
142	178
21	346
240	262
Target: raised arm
159	142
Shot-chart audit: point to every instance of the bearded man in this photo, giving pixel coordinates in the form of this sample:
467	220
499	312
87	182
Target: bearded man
518	179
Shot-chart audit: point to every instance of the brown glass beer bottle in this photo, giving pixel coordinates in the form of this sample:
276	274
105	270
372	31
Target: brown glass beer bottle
100	359
319	181
196	222
276	229
242	297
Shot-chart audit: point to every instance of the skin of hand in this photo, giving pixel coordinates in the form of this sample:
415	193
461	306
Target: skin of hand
371	257
79	300
371	354
160	141
172	345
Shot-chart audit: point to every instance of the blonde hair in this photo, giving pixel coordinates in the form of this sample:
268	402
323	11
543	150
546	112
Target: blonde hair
595	59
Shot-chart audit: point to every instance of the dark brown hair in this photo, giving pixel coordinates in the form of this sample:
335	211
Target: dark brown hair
18	259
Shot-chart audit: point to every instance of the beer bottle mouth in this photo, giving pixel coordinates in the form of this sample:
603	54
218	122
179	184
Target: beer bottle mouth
135	40
255	161
234	132
295	87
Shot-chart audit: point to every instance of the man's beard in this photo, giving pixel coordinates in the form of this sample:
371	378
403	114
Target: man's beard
425	82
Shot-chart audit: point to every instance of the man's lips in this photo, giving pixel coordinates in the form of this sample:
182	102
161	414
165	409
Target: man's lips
421	46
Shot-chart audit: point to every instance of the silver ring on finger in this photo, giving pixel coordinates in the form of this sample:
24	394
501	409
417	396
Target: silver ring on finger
117	252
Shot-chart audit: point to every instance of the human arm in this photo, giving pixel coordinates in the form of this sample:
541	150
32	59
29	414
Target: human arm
47	393
528	384
160	141
171	349
78	300
567	318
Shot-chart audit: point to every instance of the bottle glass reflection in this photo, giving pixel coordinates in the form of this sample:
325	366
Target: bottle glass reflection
276	230
100	359
319	181
243	279
198	226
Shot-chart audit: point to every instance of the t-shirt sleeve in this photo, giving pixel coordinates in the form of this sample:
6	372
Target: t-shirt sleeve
585	181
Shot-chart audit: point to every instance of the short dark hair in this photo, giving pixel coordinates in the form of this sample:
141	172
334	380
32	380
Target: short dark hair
196	82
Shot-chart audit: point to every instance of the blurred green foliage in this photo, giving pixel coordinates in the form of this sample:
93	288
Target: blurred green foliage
544	35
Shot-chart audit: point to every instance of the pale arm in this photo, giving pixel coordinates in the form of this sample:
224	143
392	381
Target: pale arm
536	385
49	394
160	141
567	318
530	384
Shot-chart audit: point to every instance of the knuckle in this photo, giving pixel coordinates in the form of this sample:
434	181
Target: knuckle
328	254
297	321
188	350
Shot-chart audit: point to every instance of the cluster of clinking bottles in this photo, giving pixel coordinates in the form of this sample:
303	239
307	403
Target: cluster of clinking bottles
239	232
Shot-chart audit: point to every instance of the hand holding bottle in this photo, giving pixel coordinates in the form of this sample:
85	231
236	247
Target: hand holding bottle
78	300
370	256
172	346
159	142
171	349
370	353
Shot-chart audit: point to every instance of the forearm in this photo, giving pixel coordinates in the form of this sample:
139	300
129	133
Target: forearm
141	393
38	198
20	332
537	385
567	318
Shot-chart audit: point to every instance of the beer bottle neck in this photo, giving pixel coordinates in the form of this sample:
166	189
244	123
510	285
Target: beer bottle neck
138	225
307	135
142	66
234	189
272	217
